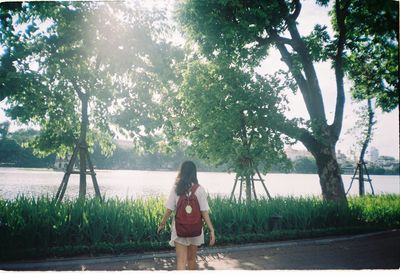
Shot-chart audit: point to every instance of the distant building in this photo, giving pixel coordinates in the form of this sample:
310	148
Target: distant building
386	162
373	154
294	154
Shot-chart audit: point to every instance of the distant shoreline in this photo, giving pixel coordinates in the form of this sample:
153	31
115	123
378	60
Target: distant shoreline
165	170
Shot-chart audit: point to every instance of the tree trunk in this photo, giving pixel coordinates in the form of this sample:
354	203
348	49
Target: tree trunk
324	154
82	147
248	188
329	174
367	140
361	187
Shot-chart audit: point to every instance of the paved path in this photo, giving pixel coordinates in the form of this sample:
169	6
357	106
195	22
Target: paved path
379	250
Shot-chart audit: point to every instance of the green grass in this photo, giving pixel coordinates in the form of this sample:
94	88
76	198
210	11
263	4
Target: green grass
39	227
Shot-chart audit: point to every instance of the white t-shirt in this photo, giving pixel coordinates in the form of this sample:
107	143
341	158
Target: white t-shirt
200	193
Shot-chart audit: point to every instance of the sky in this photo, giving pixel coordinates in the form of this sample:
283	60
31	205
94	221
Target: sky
386	133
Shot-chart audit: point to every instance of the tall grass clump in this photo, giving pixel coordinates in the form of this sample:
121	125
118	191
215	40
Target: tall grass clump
231	219
30	223
377	210
39	227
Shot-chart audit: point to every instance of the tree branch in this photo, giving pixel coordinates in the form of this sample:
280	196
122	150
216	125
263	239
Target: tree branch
310	88
243	131
303	135
297	10
276	38
341	13
264	41
300	79
77	89
285	41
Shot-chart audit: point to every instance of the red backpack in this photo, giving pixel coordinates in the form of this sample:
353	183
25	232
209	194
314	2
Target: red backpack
188	220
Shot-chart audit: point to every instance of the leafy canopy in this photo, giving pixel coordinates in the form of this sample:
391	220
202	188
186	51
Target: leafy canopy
55	53
244	31
372	60
228	116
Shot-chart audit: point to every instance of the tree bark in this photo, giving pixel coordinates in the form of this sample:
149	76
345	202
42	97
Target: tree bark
361	187
329	174
82	146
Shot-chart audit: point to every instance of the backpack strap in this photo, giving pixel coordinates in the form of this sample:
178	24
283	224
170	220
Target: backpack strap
194	188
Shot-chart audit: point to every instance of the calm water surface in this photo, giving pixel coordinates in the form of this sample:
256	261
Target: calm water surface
134	184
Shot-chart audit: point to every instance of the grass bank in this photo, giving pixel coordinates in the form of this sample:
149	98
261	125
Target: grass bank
38	227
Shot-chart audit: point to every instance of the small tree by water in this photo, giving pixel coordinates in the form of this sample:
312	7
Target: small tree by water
226	117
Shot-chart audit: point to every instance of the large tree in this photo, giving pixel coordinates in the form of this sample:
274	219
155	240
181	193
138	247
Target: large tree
244	31
80	63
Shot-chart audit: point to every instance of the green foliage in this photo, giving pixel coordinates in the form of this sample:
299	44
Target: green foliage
4	130
228	28
305	165
55	53
28	223
228	117
13	153
240	33
372	60
377	210
39	227
24	136
363	129
296	213
319	44
127	158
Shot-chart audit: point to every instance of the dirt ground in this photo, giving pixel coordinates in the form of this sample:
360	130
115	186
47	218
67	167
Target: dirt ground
369	251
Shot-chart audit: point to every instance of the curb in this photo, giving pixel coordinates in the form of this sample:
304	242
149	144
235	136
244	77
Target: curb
48	264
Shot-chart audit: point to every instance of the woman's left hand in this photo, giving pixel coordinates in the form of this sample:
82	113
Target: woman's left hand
160	228
212	238
164	220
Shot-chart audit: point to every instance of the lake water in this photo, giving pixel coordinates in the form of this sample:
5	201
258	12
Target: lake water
135	184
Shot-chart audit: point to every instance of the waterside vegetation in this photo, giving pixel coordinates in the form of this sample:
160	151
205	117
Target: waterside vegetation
39	227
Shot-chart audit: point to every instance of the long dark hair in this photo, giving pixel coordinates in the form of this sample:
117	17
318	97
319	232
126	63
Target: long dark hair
186	177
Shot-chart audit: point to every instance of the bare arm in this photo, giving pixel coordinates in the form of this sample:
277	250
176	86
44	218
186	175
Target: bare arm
164	220
207	219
